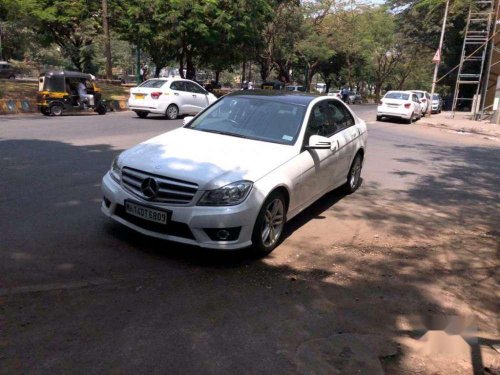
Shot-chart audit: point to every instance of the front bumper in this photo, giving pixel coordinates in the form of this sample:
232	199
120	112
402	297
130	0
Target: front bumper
187	224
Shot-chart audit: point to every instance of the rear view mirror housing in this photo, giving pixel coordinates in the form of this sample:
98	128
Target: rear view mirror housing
317	142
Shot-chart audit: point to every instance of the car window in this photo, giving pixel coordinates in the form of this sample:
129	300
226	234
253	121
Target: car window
320	122
253	118
153	83
193	87
397	95
414	98
178	85
342	118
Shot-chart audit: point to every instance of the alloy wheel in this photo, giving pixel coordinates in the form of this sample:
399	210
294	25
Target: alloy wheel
273	223
355	173
172	112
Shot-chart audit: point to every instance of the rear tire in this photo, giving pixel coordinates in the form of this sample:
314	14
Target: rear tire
101	110
142	114
56	110
410	120
268	228
172	112
354	177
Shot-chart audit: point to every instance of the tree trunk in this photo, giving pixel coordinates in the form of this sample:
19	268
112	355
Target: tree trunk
378	88
181	65
243	72
107	39
328	83
190	69
157	70
217	75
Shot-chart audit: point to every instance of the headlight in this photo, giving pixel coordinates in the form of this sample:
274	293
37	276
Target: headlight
115	170
228	195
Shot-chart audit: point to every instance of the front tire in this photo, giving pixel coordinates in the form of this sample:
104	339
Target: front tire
268	228
354	176
172	112
379	118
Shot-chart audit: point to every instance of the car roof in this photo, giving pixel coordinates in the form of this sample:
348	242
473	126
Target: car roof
279	96
66	73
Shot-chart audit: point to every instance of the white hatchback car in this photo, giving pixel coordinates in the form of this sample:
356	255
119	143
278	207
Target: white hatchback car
233	175
170	97
403	105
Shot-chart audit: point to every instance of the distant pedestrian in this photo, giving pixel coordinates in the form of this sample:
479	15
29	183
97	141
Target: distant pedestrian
141	73
345	95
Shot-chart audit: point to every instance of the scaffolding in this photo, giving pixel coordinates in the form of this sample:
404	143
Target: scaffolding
473	58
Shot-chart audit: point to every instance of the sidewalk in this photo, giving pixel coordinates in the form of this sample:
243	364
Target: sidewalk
462	123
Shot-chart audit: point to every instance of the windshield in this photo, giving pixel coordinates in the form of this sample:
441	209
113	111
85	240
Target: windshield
397	95
253	118
153	83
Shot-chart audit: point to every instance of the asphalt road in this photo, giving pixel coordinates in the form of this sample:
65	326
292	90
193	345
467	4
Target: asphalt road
82	295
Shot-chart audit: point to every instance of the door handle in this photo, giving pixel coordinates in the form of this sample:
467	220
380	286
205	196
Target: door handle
194	96
176	93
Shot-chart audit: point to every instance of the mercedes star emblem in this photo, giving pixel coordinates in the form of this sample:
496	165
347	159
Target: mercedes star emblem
149	188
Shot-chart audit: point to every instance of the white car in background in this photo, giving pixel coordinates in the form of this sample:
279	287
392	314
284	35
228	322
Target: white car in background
425	100
403	105
335	94
233	175
170	97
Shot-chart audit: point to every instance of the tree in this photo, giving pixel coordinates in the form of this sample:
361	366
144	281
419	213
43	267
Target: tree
385	49
315	45
71	24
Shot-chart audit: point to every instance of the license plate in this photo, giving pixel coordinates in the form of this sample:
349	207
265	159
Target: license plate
146	213
139	96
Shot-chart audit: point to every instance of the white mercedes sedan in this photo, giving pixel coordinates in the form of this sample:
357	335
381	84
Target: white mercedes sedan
233	175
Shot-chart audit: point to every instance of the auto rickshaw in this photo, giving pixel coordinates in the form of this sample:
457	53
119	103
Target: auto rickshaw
65	91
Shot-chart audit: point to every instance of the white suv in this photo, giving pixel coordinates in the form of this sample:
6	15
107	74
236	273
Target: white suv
169	97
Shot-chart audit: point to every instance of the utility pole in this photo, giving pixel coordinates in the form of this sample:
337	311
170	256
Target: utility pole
107	39
439	52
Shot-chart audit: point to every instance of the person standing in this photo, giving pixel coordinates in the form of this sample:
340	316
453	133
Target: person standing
141	73
345	95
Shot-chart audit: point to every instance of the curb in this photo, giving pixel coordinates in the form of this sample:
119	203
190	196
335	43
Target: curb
462	130
17	106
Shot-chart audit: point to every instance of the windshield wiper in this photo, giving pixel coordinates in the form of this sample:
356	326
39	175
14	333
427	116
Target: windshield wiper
223	133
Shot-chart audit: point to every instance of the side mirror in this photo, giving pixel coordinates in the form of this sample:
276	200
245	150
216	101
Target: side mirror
317	142
187	120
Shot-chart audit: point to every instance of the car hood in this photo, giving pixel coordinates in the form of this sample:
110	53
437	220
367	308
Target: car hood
207	159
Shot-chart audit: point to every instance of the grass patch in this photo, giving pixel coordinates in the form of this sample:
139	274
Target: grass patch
14	89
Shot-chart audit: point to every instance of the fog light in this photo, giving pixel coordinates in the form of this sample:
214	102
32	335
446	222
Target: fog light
223	235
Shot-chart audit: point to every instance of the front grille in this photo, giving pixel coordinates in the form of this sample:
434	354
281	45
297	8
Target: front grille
173	228
171	190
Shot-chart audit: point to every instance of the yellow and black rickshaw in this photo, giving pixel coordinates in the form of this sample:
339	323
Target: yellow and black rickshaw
64	91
